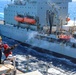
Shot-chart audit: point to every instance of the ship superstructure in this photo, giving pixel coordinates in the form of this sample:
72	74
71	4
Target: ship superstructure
45	12
39	23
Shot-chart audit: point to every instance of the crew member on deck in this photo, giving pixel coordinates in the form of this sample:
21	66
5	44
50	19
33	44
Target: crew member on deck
1	45
8	49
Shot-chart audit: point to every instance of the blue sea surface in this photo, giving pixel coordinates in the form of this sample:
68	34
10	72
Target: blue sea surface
37	60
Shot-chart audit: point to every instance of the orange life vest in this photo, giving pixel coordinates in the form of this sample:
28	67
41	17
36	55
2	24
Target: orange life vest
6	51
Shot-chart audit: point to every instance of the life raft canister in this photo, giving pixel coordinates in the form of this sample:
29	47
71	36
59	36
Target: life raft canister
65	37
67	19
29	20
19	19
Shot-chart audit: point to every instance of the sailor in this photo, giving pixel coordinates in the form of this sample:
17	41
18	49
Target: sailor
8	49
1	45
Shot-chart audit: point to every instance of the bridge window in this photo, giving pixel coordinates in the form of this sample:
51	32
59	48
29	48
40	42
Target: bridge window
58	3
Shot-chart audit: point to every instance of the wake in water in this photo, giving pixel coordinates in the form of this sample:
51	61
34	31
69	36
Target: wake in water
40	61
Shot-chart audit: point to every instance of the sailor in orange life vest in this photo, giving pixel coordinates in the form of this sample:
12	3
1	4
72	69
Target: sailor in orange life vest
8	49
1	45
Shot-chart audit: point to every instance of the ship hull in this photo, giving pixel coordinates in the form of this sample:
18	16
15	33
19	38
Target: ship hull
41	50
27	37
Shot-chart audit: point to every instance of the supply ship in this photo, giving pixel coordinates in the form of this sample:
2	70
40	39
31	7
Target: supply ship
41	24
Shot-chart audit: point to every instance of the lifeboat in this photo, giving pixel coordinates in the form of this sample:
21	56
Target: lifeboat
19	19
29	20
64	37
67	19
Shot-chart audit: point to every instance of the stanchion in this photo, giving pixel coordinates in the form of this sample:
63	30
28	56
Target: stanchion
13	58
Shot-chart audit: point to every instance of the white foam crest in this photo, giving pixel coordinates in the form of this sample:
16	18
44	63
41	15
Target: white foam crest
32	35
21	57
55	71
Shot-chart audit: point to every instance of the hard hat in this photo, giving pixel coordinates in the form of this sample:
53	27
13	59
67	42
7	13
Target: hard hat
0	38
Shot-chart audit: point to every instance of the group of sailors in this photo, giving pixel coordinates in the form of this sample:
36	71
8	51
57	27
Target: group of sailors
7	50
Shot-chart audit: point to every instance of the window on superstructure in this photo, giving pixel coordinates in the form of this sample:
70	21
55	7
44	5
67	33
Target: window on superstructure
60	7
32	12
48	2
41	7
45	2
58	3
64	7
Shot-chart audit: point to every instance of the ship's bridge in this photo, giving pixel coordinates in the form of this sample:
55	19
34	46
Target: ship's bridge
22	2
39	10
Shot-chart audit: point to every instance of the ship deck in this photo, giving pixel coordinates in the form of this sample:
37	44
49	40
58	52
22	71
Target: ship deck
9	69
1	22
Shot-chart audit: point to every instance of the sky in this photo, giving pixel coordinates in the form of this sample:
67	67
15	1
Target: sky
73	0
10	0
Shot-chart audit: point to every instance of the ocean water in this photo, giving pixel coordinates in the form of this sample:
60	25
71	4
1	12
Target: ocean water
40	61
